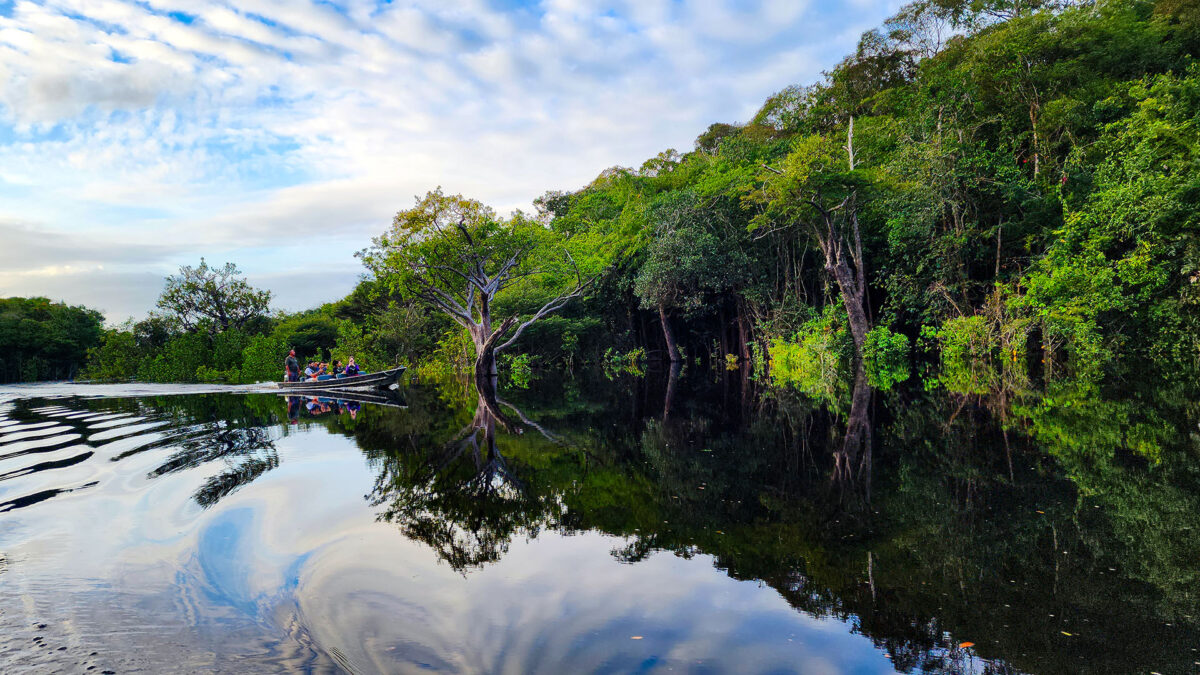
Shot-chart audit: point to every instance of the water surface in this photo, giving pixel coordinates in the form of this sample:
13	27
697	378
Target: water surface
705	524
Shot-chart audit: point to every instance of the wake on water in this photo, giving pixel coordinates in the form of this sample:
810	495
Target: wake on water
12	392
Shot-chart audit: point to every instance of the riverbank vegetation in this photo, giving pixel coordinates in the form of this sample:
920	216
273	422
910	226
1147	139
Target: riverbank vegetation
44	340
981	193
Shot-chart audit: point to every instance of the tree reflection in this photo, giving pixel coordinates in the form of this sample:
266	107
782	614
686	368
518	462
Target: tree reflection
938	519
246	451
851	474
463	499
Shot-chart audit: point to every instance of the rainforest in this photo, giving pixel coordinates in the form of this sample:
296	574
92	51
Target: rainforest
980	193
898	375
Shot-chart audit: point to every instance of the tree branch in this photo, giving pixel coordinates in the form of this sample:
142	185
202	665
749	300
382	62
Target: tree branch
548	308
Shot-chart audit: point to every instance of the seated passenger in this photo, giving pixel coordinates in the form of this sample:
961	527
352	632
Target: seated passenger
351	367
315	370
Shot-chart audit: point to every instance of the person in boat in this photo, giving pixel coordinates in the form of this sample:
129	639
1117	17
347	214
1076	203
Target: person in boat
314	370
336	369
291	367
351	368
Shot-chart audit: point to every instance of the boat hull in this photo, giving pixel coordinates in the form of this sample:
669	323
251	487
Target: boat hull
381	380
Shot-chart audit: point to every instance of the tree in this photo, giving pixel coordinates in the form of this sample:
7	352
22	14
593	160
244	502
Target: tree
214	297
814	192
687	266
457	255
41	340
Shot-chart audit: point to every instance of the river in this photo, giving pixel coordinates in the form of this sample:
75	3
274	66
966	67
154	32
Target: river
706	523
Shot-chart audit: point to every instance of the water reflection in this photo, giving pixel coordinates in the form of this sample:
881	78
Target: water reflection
928	522
1015	531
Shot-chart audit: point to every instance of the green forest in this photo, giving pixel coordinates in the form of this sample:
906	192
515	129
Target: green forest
985	193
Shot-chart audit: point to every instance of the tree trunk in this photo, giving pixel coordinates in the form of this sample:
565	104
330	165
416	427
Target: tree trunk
743	332
485	346
668	335
721	332
852	297
669	397
485	363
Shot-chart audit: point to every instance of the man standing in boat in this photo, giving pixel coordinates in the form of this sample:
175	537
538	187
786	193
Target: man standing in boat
292	367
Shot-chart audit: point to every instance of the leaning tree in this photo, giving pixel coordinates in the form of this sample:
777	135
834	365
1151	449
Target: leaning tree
455	254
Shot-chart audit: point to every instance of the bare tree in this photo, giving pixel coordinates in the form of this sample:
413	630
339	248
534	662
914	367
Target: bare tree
456	255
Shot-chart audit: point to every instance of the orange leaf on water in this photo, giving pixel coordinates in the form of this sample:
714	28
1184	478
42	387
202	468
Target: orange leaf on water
964	645
635	637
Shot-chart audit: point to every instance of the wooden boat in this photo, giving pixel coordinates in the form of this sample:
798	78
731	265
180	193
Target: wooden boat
380	380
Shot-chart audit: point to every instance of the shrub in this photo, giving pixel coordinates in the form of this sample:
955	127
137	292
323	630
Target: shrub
262	360
885	357
116	358
817	359
968	345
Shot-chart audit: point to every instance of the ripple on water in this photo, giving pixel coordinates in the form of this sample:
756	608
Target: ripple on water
38	446
117	421
126	431
16	425
24	433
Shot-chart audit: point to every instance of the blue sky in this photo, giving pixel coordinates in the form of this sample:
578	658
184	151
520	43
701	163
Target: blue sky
138	135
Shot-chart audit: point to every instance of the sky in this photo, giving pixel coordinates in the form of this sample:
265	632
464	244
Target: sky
282	135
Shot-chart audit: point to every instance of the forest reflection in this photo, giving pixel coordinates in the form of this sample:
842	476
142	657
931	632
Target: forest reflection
1053	528
1049	529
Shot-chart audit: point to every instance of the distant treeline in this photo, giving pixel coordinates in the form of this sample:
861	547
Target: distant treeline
44	340
1008	188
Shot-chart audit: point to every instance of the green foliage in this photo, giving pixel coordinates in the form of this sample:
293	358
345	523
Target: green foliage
116	358
262	359
818	358
179	360
632	362
969	352
885	357
216	297
311	334
687	264
520	374
41	340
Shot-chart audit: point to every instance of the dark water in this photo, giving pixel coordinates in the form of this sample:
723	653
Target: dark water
707	524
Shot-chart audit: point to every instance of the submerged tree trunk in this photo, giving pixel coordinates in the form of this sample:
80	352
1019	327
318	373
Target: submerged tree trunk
668	335
724	323
743	332
669	396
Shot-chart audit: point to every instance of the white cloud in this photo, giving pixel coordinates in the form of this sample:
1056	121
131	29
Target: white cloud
235	125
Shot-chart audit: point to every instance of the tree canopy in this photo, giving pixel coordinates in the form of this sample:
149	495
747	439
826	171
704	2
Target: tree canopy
215	298
43	340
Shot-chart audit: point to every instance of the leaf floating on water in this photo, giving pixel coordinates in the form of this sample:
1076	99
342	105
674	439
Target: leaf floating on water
1065	633
964	645
635	637
1042	512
